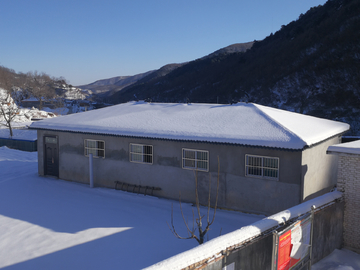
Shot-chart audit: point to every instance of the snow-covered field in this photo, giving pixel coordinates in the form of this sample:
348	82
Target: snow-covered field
47	223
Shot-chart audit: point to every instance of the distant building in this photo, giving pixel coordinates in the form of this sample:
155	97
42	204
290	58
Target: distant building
270	159
34	102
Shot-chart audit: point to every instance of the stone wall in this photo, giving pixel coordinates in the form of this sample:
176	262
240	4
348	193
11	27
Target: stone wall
349	184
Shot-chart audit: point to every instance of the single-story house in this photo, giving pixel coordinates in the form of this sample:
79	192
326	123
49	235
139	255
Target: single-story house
270	159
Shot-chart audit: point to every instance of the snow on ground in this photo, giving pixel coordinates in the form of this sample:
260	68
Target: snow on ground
57	111
339	260
76	93
24	115
47	223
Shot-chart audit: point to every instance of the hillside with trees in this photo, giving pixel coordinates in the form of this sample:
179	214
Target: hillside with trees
33	84
107	87
34	95
41	88
309	66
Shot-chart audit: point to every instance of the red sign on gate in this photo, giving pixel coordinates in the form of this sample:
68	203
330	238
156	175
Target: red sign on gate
293	244
284	251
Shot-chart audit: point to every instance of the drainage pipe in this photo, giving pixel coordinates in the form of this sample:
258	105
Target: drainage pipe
91	170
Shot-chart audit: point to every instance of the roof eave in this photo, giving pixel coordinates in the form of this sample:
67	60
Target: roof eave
168	139
198	141
329	138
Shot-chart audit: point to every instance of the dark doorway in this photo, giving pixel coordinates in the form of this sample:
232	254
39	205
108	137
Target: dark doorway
51	161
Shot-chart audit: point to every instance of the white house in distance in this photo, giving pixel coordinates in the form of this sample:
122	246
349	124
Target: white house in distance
270	159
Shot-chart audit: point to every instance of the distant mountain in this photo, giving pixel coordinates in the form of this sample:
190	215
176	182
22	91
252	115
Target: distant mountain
112	85
239	47
311	66
109	87
159	73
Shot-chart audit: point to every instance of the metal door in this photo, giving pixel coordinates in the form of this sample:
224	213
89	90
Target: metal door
51	161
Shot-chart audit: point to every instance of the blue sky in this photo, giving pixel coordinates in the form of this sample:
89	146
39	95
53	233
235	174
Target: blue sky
85	41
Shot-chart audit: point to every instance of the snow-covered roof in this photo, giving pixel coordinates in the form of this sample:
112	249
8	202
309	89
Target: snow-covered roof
346	148
241	123
30	99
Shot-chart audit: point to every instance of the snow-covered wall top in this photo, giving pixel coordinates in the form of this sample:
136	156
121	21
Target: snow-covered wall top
221	243
241	123
19	134
346	148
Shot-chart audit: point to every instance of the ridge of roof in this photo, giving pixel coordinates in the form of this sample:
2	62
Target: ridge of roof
315	130
260	108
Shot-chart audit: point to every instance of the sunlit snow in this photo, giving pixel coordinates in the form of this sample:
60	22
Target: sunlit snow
46	223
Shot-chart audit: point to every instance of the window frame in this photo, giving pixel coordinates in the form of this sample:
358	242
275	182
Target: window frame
262	167
195	159
86	147
142	154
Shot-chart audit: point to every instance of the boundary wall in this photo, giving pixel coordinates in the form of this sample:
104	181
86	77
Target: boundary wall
23	145
349	183
250	247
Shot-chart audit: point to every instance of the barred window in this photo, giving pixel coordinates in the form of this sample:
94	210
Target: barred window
195	159
141	153
266	167
94	147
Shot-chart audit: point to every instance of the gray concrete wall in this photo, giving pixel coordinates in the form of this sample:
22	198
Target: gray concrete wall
236	191
319	169
255	256
328	231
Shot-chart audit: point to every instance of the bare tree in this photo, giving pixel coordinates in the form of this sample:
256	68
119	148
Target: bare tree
19	91
200	218
41	86
6	78
8	110
32	84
